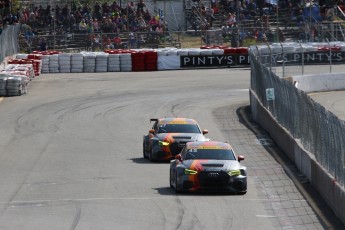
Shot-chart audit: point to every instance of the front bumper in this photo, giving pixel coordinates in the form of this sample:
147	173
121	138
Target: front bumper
217	181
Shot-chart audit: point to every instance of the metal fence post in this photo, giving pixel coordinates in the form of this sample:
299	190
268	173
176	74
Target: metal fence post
302	52
330	56
268	45
283	59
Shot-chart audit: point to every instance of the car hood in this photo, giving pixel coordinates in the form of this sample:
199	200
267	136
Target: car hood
212	165
185	137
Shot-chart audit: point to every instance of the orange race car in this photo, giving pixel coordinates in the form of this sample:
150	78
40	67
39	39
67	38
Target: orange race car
169	135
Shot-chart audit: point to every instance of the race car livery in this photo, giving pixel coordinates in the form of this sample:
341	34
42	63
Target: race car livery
169	135
208	166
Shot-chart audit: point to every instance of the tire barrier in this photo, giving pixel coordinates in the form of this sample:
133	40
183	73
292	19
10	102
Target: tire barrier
15	78
77	63
138	61
64	61
301	53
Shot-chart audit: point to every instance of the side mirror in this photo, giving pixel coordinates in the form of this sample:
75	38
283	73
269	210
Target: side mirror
152	131
204	131
240	158
178	157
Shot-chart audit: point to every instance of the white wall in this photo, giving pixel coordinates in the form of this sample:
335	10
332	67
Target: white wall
320	82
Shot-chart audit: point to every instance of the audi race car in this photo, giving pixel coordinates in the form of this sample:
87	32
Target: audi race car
208	166
169	135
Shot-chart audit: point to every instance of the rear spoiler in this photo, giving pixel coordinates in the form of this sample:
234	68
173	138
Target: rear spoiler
153	119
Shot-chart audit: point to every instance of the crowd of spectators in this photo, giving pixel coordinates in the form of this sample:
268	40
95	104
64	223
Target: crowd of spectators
108	19
256	13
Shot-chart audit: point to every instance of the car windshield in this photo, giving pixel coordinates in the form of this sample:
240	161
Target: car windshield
179	128
214	154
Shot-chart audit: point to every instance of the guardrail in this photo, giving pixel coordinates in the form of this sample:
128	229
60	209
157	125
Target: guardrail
309	134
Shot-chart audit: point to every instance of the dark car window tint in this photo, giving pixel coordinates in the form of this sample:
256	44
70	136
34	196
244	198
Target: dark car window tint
178	128
215	154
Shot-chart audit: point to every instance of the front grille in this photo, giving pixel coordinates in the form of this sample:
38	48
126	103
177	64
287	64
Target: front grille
181	137
175	148
213	165
213	179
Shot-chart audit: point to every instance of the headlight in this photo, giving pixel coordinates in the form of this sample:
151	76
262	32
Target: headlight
163	143
234	172
190	172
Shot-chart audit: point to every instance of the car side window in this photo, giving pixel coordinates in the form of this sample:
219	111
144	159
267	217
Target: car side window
183	153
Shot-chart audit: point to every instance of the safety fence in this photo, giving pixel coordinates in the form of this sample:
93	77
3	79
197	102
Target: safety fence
320	131
9	44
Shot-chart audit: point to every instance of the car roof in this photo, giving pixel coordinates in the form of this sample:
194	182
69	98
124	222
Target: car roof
208	145
178	120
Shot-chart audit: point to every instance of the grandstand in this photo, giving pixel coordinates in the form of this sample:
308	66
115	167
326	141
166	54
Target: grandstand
268	24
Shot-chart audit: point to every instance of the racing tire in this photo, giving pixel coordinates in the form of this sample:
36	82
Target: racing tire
171	186
144	152
241	193
151	156
177	191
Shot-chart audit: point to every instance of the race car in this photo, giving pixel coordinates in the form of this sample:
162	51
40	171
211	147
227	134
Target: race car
168	136
206	166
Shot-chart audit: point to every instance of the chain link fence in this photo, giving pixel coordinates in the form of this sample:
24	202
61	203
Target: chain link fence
320	131
9	44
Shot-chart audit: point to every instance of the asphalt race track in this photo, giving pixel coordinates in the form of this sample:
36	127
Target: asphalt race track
333	101
71	155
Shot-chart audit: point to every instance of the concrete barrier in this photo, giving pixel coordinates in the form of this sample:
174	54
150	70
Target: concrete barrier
320	179
320	82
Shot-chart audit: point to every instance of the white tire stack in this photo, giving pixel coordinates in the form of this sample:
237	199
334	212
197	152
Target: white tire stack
77	63
194	52
89	62
45	63
172	52
101	62
65	62
15	86
22	56
3	81
162	52
204	52
114	63
217	51
182	52
54	63
126	62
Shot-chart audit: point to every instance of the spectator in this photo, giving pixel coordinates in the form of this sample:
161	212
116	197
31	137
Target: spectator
96	39
209	13
117	42
132	40
2	9
153	23
142	24
105	8
43	44
115	7
29	36
83	26
95	25
231	19
107	42
140	6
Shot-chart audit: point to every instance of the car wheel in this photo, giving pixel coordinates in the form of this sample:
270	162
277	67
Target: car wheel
171	186
151	156
241	193
176	185
144	152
